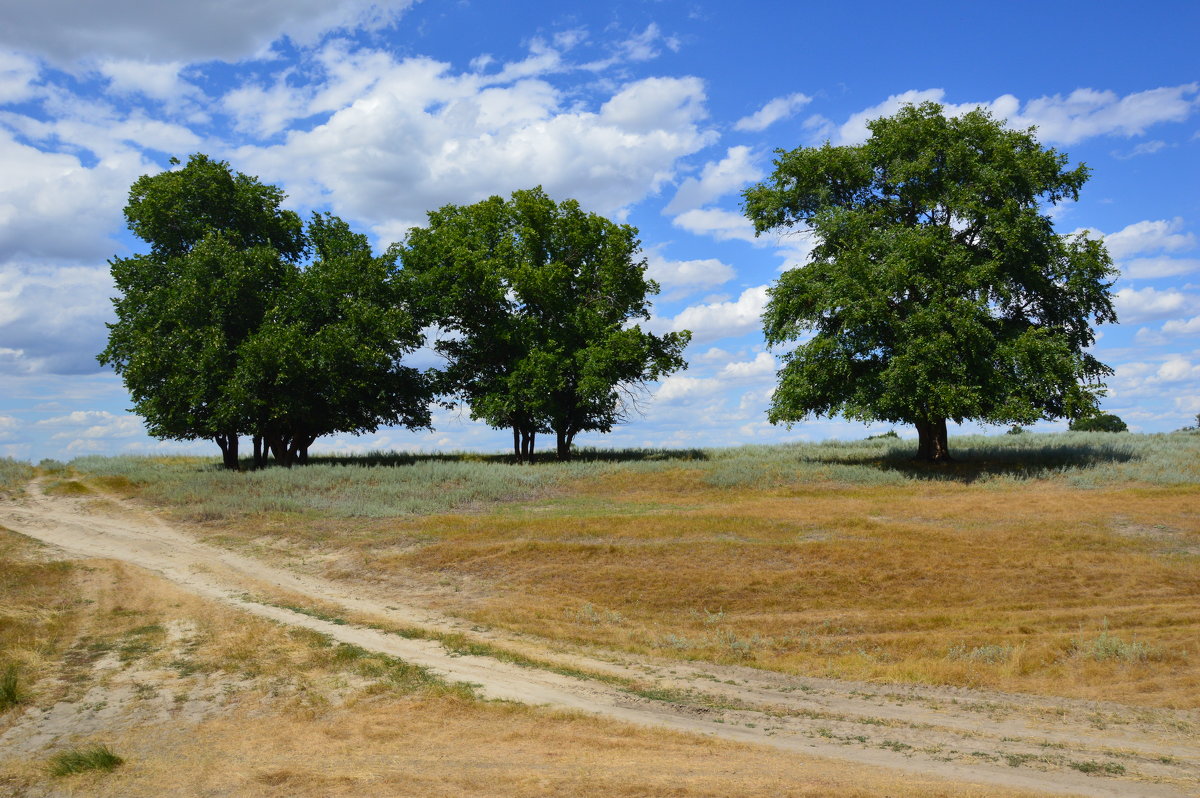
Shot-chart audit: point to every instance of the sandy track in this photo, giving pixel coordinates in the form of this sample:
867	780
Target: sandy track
1056	745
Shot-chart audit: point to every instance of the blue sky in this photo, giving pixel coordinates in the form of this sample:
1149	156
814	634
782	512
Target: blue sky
655	113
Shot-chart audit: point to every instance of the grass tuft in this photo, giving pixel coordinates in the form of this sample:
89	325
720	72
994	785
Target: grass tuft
11	691
79	760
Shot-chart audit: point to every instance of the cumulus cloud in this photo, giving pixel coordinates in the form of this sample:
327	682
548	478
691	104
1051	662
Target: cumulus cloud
1162	235
678	387
1082	114
53	206
717	178
720	224
421	136
65	31
154	81
1182	326
775	110
762	366
715	320
1147	304
679	277
17	77
52	318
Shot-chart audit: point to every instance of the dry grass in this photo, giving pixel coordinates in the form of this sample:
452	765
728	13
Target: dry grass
224	704
874	583
1009	571
460	749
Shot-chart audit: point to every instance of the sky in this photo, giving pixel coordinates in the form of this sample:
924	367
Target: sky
657	114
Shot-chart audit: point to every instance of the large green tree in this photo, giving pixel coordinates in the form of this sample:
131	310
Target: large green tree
937	288
328	355
221	248
535	300
224	329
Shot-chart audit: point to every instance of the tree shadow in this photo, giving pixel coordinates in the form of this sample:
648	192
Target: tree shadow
588	455
972	463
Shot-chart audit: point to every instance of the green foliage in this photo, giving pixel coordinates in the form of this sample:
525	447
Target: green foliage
937	288
535	298
79	760
221	331
1102	422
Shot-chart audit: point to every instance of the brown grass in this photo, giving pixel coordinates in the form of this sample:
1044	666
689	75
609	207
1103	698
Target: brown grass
299	717
1010	583
1000	585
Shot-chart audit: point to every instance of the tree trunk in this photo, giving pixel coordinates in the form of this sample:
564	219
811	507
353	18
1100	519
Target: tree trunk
281	447
932	442
564	439
260	458
527	444
229	450
517	443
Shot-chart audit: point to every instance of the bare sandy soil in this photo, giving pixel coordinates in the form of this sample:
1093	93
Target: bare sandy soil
1043	743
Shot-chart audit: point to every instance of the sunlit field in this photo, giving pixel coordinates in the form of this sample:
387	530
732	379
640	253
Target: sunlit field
193	698
1059	564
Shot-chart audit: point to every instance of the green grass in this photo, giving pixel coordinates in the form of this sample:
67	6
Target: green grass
11	691
382	485
79	760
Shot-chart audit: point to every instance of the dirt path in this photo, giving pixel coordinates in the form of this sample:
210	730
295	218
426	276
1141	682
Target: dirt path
1057	745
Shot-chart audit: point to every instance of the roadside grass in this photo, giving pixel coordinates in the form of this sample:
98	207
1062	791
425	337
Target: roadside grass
836	559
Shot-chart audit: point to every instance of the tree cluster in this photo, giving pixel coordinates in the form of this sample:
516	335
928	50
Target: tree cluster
242	320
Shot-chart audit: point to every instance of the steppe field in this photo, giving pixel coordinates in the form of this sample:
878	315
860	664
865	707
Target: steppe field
803	620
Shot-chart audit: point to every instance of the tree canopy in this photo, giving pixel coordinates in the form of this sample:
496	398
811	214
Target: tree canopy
223	329
937	288
534	299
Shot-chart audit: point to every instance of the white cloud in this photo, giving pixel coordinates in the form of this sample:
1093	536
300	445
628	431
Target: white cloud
420	137
1145	148
157	81
721	319
720	224
8	427
1148	236
17	76
52	318
677	387
1182	326
52	206
687	275
1135	305
1153	268
1084	113
717	178
66	31
775	110
763	365
1177	369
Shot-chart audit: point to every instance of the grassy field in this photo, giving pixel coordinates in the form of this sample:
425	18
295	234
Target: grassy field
148	691
1057	564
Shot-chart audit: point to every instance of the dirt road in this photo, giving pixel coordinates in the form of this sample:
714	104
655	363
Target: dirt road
1057	745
